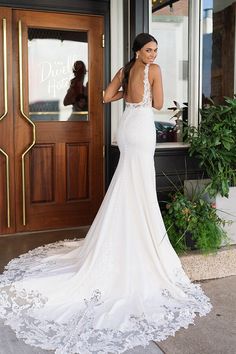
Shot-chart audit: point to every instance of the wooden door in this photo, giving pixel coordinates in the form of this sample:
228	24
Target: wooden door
58	142
7	186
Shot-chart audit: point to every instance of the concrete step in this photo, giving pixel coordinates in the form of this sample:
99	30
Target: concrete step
200	266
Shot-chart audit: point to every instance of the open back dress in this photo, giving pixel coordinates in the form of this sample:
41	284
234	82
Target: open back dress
123	285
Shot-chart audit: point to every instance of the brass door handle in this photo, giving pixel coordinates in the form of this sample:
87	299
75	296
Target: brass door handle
4	45
4	41
28	120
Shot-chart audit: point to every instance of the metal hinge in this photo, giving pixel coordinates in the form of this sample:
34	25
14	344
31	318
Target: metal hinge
103	40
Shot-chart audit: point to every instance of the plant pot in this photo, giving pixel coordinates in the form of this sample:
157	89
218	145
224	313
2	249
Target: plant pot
226	209
190	242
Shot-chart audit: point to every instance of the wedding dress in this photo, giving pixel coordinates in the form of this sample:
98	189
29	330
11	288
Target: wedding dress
123	285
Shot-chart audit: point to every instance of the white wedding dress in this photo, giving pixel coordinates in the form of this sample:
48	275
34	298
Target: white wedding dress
123	285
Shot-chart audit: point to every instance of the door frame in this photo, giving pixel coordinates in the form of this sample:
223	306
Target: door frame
51	147
89	7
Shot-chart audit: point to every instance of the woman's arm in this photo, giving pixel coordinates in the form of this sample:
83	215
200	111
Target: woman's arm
112	92
70	96
76	88
157	88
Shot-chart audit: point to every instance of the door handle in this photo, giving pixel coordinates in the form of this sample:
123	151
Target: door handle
4	45
28	120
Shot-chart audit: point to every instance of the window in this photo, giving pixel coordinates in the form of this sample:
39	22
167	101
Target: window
170	26
218	50
176	26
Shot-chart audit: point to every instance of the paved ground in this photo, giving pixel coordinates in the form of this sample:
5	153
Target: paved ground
9	344
214	334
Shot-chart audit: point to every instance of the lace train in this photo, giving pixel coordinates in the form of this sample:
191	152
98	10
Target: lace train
79	335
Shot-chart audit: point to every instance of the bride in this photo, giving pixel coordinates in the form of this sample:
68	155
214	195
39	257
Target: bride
123	285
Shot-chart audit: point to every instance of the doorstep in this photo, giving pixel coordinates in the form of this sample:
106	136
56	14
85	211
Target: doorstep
200	266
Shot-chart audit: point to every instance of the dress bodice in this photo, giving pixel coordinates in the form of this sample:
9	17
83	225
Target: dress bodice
147	96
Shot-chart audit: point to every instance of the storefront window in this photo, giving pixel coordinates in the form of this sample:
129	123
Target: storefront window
218	50
169	25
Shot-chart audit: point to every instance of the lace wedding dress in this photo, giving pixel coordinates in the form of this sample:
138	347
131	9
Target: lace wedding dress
120	287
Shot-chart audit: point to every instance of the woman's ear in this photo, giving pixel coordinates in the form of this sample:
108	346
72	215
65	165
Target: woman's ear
137	54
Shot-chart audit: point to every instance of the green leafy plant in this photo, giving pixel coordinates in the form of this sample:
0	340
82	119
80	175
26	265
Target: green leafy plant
180	114
214	144
196	219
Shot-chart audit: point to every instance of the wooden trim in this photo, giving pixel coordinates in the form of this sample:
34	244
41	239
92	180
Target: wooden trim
107	109
89	6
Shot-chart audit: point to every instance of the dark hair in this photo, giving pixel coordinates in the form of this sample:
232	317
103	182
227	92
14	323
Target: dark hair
79	68
139	42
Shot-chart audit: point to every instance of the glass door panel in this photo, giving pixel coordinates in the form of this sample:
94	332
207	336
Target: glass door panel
58	75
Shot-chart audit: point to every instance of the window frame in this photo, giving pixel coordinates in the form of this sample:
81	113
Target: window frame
117	59
194	64
195	61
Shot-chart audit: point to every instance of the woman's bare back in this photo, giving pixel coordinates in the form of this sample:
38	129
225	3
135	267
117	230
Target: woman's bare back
135	89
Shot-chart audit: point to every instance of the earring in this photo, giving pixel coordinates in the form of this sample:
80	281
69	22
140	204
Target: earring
136	55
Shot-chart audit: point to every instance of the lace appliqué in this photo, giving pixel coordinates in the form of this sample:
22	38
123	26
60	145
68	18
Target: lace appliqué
147	97
79	335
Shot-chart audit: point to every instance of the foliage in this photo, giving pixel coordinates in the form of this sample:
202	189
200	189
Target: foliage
181	115
214	144
195	218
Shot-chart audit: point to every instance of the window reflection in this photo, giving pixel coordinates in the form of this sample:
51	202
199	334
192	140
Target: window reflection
170	27
218	58
77	94
58	75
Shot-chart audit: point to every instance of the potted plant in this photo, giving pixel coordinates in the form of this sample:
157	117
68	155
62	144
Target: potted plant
193	224
214	144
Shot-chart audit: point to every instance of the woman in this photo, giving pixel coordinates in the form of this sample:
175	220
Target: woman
123	285
77	94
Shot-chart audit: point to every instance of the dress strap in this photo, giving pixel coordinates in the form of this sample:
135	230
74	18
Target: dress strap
147	89
146	71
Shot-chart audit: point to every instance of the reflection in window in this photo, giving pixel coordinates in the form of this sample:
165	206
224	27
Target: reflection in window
218	54
58	78
170	27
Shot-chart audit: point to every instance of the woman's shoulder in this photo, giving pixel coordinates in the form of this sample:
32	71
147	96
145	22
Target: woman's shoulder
154	68
120	74
154	72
